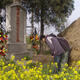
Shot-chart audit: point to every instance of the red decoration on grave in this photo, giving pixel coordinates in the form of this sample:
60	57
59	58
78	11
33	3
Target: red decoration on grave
3	41
17	23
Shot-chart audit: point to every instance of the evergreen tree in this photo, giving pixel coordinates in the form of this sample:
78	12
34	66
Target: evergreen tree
3	4
53	12
50	11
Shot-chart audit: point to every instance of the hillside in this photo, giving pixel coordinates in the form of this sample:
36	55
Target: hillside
72	34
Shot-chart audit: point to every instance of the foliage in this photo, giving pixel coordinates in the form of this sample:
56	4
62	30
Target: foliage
3	3
50	11
23	71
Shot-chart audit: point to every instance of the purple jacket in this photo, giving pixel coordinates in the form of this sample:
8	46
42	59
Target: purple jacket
54	45
64	43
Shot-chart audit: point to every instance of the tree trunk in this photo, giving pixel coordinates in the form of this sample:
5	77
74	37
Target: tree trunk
32	22
42	31
0	16
42	27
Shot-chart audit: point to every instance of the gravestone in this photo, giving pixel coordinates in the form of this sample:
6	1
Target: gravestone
16	26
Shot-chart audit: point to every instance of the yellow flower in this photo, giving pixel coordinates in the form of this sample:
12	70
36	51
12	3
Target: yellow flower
47	66
67	74
48	77
24	67
74	69
25	72
14	68
70	67
56	76
78	63
41	66
76	77
19	71
28	62
41	79
66	65
12	57
3	63
50	70
22	75
17	61
40	76
24	58
64	69
36	76
75	72
9	64
56	64
40	63
35	68
61	74
12	65
64	79
51	63
4	67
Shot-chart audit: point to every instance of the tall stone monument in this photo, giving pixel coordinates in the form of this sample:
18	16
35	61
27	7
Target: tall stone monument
16	26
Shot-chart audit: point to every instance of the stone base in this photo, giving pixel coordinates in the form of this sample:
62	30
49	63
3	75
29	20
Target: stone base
19	50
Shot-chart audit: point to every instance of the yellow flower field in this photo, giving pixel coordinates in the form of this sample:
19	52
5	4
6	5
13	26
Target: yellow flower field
27	70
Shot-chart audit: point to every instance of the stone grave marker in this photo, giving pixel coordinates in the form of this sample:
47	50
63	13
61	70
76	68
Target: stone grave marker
16	26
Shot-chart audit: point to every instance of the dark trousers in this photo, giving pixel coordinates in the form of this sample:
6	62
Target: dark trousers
61	59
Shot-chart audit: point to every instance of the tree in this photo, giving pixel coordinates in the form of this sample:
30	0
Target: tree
32	21
3	3
50	11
